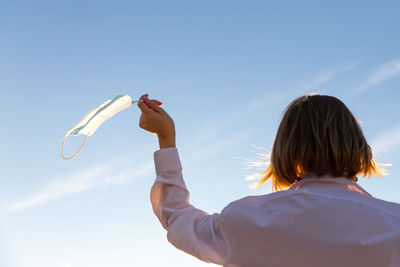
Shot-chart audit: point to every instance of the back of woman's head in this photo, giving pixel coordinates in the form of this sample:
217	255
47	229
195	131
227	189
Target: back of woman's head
318	135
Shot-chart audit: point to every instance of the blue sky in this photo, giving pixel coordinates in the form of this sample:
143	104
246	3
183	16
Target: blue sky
225	71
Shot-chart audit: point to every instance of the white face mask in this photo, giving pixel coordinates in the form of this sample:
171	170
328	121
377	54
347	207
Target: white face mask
91	121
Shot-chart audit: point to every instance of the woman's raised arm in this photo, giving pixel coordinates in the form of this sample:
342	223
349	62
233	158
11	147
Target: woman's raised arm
189	229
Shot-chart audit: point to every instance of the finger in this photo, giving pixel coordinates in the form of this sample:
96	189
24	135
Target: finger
144	107
158	103
141	100
143	97
152	105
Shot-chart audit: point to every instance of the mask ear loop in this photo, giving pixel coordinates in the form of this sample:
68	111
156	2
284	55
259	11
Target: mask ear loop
76	153
84	141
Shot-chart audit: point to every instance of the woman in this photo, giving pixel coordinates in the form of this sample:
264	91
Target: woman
319	215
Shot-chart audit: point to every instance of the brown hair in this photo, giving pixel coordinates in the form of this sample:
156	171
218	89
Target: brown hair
318	135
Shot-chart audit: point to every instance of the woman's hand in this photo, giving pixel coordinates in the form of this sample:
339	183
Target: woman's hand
157	121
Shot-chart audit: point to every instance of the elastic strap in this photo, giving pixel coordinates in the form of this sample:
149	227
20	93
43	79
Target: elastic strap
77	152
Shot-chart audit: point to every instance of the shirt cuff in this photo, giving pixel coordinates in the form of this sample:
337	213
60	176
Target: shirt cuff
166	160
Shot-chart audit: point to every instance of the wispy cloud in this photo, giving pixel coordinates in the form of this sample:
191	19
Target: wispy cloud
79	182
327	76
382	74
262	102
312	85
204	133
386	141
113	173
213	148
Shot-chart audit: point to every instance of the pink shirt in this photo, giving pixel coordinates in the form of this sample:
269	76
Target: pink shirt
316	222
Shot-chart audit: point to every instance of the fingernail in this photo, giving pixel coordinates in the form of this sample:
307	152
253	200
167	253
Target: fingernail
158	102
146	95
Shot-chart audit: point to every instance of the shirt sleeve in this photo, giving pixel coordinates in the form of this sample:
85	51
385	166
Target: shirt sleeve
189	229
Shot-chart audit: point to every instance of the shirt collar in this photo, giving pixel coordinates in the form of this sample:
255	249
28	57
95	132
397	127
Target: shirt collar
337	182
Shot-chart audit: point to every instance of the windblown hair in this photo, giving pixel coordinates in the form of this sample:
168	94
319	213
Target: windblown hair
318	135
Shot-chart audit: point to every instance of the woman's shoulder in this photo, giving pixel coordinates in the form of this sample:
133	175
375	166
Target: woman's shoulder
287	200
254	201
